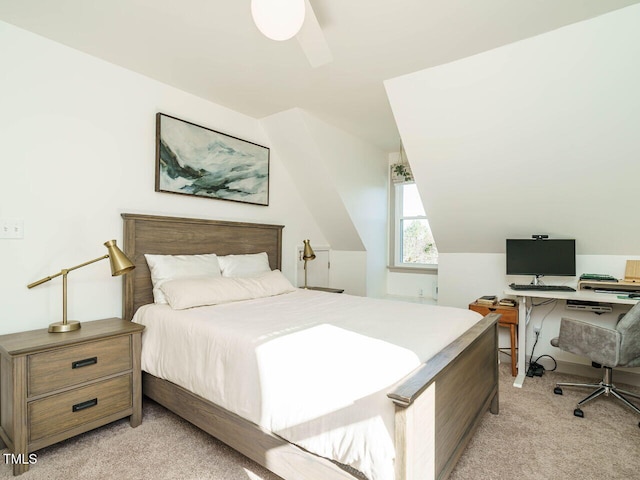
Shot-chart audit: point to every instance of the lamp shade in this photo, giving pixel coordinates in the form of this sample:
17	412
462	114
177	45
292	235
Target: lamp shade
278	19
120	264
308	253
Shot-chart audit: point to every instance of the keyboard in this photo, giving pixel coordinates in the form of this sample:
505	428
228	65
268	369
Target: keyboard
598	277
543	288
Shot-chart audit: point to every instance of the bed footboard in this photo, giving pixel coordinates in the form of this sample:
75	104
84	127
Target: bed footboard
439	406
272	452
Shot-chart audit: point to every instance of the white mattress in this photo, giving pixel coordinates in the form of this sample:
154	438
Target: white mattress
312	367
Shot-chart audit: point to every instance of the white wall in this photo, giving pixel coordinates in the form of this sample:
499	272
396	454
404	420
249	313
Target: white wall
346	272
77	138
413	284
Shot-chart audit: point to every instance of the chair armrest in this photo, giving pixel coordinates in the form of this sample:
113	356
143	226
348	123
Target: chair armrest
599	344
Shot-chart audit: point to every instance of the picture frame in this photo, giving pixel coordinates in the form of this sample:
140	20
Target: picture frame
195	160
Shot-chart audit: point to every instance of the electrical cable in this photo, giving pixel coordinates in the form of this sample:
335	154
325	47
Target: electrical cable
534	367
555	364
546	302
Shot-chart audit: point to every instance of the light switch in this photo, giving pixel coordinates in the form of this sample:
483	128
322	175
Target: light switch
11	228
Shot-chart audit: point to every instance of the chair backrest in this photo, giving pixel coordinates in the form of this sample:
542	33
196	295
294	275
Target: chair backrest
629	328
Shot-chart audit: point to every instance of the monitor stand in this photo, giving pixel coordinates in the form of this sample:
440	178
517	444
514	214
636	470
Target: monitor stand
536	280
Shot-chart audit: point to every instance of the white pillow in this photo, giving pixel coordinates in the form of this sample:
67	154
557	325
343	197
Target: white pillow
196	292
169	267
244	265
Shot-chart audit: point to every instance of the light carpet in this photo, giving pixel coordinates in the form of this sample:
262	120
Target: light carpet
535	437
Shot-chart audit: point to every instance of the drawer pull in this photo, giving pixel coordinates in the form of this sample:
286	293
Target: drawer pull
82	405
84	363
492	309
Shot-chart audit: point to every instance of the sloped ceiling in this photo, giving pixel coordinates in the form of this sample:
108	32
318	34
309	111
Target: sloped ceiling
212	49
342	179
540	136
289	135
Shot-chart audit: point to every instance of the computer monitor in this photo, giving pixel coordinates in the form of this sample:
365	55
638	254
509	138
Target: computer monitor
555	257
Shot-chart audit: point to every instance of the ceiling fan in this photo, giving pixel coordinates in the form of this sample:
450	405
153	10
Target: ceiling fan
283	19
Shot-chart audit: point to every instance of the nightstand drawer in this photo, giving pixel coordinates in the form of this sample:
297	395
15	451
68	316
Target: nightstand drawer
50	371
57	413
509	314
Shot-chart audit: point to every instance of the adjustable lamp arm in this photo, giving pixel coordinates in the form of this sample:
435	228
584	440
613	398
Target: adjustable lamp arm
120	265
64	271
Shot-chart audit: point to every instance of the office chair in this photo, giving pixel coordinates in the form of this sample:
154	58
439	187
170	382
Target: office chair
606	348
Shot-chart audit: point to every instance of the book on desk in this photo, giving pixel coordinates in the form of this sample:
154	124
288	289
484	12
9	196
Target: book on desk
487	300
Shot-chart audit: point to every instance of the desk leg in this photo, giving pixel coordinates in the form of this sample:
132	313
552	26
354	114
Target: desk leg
522	340
514	359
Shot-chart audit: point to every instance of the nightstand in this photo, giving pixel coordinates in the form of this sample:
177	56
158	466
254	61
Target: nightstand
327	289
508	319
57	385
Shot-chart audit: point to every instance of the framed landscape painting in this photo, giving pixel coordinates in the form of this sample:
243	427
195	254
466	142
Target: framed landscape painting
194	160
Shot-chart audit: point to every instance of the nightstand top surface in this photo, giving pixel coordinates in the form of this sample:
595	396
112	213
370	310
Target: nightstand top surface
32	341
327	289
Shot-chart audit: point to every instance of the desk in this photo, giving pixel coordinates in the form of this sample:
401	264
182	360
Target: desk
525	295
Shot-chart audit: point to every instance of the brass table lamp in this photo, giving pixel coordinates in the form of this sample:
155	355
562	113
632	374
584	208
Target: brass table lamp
307	254
120	265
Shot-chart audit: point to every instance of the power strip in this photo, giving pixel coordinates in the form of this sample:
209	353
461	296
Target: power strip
535	370
587	306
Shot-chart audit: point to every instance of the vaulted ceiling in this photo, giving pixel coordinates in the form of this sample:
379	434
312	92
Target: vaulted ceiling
212	49
536	137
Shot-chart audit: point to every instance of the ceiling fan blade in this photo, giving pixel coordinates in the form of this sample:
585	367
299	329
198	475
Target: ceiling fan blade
312	41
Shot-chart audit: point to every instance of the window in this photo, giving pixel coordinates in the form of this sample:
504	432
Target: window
413	241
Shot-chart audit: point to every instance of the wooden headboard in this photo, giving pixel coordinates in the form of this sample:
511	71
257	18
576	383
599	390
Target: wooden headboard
187	236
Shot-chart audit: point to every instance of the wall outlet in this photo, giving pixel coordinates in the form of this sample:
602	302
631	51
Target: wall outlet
11	228
537	328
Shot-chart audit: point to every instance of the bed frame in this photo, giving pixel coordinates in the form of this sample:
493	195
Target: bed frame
438	406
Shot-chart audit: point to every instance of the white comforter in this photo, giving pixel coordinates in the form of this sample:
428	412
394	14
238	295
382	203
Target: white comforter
310	366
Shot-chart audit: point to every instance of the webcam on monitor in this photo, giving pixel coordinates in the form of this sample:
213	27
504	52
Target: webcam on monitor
539	237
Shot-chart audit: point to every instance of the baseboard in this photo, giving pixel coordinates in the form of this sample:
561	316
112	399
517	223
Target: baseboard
619	375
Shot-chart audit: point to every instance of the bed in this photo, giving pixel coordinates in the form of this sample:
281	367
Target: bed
436	407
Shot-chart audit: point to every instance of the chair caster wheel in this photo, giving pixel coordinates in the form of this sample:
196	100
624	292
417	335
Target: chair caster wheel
557	391
578	413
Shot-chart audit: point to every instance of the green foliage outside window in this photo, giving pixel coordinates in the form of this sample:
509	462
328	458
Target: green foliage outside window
418	245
